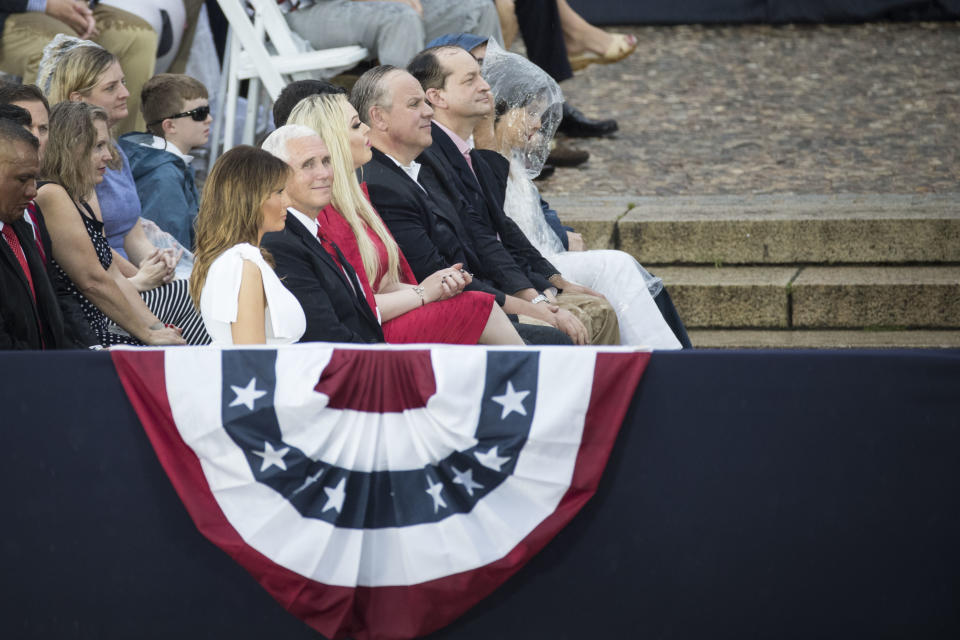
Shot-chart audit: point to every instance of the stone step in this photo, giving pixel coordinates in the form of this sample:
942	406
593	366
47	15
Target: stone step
833	297
730	296
781	297
771	229
835	339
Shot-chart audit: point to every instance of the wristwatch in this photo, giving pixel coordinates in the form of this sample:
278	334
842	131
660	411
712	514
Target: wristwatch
540	298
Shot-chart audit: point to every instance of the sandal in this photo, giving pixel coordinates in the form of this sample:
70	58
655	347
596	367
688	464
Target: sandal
621	47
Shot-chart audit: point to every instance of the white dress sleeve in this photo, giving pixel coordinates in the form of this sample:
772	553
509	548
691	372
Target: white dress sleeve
284	319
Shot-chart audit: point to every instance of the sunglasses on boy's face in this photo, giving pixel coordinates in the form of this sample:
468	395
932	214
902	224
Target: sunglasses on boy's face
199	114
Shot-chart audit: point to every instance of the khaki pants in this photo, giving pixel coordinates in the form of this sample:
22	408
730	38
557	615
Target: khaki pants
596	314
123	34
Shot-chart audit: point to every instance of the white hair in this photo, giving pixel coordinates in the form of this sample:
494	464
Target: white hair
276	143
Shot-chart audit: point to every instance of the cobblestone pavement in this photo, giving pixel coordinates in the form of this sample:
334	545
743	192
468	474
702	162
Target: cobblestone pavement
755	109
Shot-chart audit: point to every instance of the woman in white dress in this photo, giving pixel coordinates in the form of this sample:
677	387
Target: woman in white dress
241	299
528	107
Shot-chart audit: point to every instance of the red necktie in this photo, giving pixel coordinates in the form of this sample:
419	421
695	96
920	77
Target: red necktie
331	249
14	243
32	212
328	246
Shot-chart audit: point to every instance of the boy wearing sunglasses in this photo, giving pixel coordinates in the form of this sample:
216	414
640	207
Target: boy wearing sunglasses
176	109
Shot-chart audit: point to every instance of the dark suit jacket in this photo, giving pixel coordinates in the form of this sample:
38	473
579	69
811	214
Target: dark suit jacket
488	221
335	311
23	324
426	226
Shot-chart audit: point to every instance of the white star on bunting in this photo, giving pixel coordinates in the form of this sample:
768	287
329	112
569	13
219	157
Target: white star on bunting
511	401
247	395
434	491
490	459
466	479
272	457
335	497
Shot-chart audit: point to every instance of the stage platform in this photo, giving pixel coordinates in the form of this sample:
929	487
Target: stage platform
750	494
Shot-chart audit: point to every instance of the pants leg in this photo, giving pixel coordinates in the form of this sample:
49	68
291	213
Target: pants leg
391	31
540	333
478	17
665	304
595	313
619	277
24	37
542	34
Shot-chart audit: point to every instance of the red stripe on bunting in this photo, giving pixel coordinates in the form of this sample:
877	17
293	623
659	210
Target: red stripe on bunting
426	607
381	613
391	381
142	374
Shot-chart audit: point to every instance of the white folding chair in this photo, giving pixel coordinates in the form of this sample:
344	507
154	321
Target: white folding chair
247	58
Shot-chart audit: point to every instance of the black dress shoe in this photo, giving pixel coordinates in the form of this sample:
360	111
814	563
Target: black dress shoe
564	156
546	172
577	125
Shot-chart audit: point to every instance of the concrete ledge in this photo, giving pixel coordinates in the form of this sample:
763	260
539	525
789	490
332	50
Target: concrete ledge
754	297
597	234
800	339
777	229
840	297
792	241
595	219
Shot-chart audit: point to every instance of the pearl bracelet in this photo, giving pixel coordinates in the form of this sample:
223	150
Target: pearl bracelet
419	290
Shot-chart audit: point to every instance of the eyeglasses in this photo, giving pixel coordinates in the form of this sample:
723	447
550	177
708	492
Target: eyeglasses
199	114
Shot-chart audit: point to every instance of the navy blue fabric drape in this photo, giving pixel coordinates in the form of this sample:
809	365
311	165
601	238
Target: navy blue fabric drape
750	494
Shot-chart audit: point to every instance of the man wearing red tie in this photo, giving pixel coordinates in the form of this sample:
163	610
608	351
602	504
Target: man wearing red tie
29	315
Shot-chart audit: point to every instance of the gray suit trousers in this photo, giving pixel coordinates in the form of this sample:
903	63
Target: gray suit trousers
392	31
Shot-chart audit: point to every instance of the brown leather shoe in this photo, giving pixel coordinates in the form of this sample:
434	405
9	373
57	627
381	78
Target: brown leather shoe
564	156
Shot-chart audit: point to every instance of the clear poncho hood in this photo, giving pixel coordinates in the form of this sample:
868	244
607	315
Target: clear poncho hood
53	54
525	96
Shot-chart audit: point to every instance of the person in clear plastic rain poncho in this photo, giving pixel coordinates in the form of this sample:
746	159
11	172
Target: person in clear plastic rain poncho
528	107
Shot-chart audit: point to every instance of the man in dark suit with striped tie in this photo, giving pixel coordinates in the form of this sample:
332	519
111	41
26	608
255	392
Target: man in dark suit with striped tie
326	287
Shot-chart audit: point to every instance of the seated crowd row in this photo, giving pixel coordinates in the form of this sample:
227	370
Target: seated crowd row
376	217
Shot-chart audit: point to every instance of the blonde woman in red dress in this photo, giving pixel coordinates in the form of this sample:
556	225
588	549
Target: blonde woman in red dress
466	317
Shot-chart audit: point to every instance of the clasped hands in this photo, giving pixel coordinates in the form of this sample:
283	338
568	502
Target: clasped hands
446	283
156	269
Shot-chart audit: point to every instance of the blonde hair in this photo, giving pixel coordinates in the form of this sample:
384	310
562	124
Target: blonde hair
326	115
66	159
78	70
231	212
